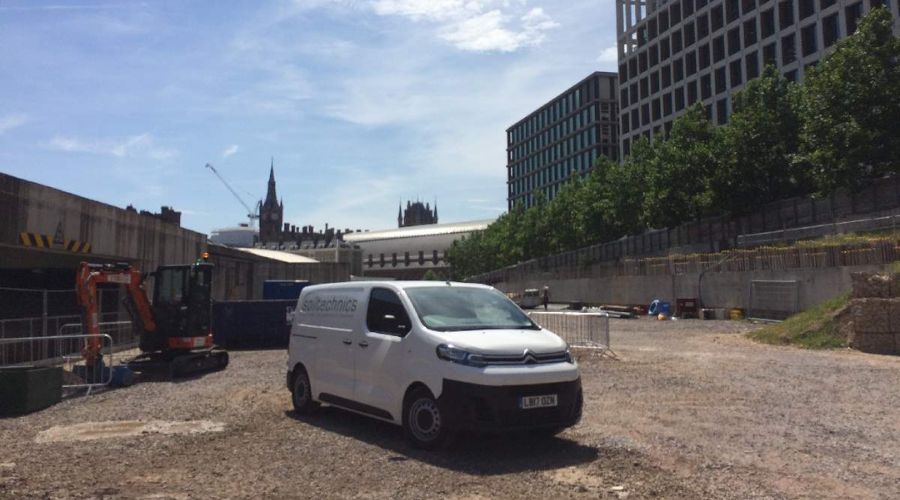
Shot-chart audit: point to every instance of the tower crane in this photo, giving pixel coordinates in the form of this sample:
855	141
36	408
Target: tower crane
251	214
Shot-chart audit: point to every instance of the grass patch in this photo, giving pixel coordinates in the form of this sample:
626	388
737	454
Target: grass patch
821	327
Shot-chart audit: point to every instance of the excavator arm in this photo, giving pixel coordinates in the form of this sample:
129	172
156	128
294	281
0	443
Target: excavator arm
88	278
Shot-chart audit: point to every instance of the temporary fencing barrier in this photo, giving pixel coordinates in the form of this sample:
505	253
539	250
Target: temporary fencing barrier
585	330
58	350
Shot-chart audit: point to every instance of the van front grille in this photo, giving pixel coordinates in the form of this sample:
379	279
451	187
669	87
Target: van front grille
526	358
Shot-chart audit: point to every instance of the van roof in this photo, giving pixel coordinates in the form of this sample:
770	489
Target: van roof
393	284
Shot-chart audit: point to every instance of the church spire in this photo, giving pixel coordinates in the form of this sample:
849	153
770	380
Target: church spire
271	195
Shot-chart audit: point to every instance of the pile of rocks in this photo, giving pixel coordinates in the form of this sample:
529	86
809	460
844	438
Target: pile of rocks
876	313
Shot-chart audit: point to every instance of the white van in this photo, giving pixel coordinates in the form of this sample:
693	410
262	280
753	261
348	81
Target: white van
530	299
433	357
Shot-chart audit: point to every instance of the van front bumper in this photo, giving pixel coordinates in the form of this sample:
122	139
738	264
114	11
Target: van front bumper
483	407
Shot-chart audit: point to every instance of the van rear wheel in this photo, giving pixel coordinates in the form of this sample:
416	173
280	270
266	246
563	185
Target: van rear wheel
423	422
301	393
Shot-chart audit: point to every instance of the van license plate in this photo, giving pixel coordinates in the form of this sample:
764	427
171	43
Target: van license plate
545	401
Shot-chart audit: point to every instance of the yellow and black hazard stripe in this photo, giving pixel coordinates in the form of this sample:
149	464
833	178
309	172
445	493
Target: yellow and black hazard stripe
44	241
78	246
35	240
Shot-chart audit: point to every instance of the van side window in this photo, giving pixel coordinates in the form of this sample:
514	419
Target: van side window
386	313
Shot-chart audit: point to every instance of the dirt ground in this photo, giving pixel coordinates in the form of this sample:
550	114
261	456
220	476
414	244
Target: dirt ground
687	409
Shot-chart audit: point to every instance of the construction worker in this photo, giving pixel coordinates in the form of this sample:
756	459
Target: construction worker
545	296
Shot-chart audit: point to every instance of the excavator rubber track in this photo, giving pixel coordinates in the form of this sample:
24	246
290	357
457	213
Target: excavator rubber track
195	362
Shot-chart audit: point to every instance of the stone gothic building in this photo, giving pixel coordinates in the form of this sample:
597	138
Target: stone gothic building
416	214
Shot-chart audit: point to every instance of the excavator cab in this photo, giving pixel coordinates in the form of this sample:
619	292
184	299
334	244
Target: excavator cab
182	306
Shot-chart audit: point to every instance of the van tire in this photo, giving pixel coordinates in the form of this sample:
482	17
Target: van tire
423	421
301	393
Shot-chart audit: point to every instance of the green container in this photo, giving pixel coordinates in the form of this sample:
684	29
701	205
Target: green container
27	389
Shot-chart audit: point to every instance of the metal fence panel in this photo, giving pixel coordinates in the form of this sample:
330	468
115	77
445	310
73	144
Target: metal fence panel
56	350
590	330
774	299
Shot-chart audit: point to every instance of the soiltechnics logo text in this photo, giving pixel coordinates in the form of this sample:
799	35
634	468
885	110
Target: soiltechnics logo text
331	304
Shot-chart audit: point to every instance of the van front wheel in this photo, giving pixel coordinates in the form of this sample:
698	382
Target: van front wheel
423	422
301	393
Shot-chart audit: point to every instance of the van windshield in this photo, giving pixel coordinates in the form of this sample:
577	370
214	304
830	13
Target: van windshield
447	308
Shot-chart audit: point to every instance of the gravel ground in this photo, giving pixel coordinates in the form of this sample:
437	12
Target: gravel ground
688	409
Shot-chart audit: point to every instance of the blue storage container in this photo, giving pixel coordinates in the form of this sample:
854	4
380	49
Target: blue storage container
252	323
283	289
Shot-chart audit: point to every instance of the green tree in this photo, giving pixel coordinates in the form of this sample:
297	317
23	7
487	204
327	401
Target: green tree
758	145
678	171
850	107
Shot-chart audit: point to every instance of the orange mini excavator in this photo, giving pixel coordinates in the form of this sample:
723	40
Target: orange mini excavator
174	329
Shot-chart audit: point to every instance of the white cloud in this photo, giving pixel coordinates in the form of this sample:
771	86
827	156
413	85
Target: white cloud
230	150
475	25
12	121
609	55
142	145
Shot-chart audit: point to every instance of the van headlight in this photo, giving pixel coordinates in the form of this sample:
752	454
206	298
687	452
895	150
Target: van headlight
461	356
569	358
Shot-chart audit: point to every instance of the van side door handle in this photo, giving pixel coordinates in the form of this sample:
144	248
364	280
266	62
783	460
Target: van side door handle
347	342
363	344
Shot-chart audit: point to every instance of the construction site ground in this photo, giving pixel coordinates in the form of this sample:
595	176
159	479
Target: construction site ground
688	409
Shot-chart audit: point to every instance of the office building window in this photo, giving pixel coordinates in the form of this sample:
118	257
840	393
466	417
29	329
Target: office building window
705	86
716	18
791	76
675	14
657	110
667	104
666	76
718	48
824	4
807	8
633	90
679	99
788	49
721	84
830	30
767	23
786	13
722	111
752	66
635	119
689	38
749	32
748	6
769	55
654	82
808	39
645	114
654	55
642	61
735	68
676	42
690	64
651	29
678	70
645	87
732	11
664	50
691	92
852	15
702	26
663	21
687	8
734	40
703	54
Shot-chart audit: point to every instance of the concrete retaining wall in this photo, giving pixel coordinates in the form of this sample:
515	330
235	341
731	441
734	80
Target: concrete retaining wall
725	290
876	313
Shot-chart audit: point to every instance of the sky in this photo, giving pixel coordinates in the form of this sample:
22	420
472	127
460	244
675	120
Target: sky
361	103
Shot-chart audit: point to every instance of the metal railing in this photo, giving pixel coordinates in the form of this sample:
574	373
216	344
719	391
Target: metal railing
57	350
584	330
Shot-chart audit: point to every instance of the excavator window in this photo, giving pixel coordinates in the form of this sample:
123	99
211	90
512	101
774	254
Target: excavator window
171	286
